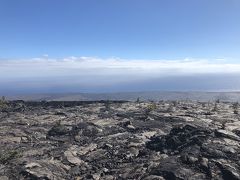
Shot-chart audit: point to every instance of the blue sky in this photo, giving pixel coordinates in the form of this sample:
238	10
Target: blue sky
122	45
142	29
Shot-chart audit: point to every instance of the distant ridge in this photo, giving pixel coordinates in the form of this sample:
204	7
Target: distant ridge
132	96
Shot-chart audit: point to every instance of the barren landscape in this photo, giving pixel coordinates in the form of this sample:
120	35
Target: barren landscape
119	140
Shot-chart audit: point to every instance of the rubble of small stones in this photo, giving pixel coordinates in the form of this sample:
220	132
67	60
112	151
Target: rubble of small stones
119	140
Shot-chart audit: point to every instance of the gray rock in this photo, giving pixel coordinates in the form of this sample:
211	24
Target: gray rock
118	140
227	134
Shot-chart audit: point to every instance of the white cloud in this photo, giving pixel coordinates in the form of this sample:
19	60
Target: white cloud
88	66
88	74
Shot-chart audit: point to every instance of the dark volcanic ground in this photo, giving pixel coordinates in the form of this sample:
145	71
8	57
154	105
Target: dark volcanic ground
119	140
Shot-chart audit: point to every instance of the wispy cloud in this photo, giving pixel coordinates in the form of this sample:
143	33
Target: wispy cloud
77	66
90	73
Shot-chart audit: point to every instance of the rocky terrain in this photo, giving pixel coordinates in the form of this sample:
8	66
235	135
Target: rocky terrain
119	140
133	96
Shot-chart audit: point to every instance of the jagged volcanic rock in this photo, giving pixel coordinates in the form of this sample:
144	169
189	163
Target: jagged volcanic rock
119	140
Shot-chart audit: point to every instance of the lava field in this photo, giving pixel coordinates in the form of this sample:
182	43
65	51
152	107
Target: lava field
119	140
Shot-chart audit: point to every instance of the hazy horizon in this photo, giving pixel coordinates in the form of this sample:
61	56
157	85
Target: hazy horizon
86	74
